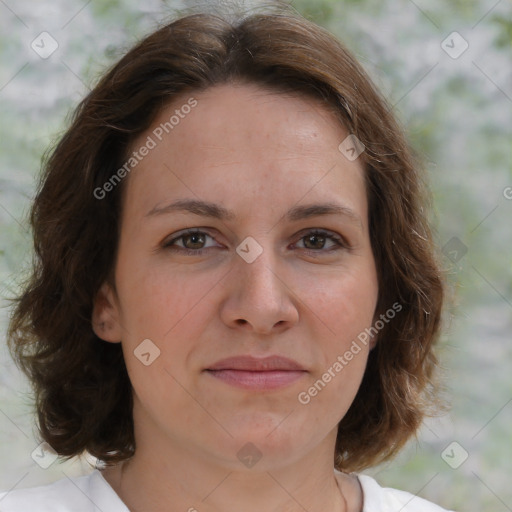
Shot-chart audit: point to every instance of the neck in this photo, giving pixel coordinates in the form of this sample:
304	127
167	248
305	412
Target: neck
150	482
173	474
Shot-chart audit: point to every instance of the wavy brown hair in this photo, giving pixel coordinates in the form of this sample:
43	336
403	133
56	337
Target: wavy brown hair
83	395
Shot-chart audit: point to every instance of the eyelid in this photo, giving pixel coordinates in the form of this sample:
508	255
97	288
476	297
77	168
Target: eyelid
181	234
336	237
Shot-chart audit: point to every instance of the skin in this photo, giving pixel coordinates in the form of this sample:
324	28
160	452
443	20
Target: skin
258	153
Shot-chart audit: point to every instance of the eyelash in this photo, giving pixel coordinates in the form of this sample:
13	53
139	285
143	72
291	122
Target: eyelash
338	241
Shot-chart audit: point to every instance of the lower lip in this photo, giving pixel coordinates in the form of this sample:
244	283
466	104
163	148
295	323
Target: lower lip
257	380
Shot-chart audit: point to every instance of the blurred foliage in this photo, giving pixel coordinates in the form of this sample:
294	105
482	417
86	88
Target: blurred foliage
504	38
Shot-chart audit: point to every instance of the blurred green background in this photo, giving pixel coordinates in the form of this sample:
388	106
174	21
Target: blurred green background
457	111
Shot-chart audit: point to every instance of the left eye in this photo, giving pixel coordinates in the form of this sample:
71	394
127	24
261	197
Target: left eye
192	242
318	237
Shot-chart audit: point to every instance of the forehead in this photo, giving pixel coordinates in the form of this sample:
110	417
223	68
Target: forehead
242	141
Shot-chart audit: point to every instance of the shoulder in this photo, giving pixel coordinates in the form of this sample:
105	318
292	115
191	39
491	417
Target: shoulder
385	499
88	493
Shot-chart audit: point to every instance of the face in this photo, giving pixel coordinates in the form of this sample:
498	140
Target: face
278	274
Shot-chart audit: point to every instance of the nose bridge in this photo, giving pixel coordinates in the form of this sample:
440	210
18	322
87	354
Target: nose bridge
258	265
259	296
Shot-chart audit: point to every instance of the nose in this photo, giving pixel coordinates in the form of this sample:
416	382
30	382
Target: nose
260	297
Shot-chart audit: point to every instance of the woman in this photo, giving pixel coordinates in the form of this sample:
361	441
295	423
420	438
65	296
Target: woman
235	297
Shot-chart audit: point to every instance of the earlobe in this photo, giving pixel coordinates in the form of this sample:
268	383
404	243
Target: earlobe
105	315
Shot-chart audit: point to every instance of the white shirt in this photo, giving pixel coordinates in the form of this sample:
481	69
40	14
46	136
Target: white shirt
92	493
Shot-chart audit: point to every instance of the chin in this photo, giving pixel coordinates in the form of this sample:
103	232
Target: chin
265	445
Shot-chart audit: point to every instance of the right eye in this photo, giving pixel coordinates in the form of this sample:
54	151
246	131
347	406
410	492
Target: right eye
192	242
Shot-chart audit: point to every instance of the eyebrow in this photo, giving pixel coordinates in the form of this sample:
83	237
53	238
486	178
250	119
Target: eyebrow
207	209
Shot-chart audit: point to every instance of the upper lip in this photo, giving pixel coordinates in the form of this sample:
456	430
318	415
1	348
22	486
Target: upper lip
250	363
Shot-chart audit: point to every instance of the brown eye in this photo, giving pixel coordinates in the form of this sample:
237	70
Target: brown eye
196	240
323	242
192	242
314	241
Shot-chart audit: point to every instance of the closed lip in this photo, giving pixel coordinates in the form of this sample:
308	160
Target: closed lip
254	364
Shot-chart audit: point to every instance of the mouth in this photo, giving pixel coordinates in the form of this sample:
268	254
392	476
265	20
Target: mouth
257	373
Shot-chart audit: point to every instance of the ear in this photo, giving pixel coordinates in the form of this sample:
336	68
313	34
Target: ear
105	315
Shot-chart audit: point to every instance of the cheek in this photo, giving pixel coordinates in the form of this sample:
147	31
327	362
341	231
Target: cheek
344	304
346	309
159	301
171	309
356	305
